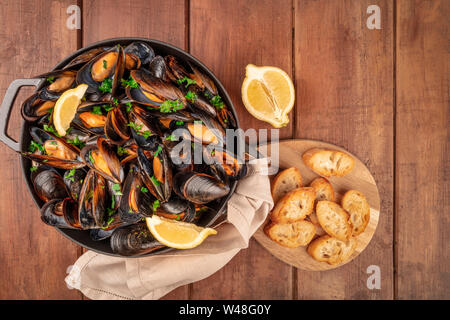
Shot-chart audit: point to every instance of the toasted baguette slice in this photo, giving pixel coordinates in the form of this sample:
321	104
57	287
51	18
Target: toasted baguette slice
324	189
331	250
328	162
291	235
334	220
355	203
294	206
287	180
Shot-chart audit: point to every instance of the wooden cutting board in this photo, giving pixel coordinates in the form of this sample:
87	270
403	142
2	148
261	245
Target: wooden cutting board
290	155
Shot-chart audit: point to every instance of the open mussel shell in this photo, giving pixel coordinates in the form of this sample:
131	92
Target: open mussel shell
54	151
199	188
205	130
145	131
153	91
56	83
109	65
58	213
138	54
34	108
116	126
177	208
49	185
227	164
158	68
85	57
156	172
102	158
73	179
137	201
133	240
93	202
93	123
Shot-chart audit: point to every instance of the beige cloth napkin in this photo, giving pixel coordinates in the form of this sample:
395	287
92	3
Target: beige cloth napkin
103	277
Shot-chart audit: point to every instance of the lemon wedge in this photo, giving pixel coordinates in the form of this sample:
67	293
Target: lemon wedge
268	94
66	107
177	234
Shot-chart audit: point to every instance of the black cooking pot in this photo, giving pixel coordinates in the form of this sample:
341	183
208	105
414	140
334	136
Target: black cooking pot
82	237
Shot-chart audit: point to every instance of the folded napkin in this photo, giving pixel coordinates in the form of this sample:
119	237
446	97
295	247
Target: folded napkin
104	277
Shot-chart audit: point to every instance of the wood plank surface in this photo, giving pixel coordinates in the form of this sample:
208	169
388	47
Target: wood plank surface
160	19
33	256
226	36
423	162
344	78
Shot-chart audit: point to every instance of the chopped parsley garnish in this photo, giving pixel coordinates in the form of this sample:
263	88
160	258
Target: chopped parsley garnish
158	151
110	211
105	64
108	223
121	151
217	102
50	110
156	205
51	79
130	83
97	110
49	128
155	181
191	96
106	86
76	142
145	134
34	145
206	94
71	175
115	101
144	190
179	123
172	137
129	106
178	218
116	189
33	169
108	107
113	202
170	106
187	81
135	126
91	159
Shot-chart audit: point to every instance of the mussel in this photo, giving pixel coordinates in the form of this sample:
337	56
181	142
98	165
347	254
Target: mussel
199	188
156	172
133	240
60	213
73	180
49	185
93	202
138	54
116	126
224	162
102	158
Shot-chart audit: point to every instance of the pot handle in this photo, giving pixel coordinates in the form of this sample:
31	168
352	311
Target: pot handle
5	109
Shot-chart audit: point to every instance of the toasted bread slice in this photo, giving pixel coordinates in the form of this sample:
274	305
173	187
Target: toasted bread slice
324	189
291	235
331	250
334	220
287	180
328	162
355	203
294	206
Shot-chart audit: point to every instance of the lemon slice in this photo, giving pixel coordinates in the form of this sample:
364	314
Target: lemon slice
177	234
66	107
268	94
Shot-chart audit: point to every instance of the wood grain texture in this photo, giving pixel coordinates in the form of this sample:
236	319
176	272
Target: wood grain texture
160	19
358	179
423	162
226	36
33	256
344	78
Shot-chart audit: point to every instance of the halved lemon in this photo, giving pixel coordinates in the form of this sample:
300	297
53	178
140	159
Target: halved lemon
177	234
268	94
66	107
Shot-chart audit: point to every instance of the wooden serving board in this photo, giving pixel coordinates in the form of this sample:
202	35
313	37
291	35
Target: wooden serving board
290	155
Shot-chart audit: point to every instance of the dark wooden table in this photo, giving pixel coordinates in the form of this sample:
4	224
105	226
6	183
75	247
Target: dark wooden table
381	94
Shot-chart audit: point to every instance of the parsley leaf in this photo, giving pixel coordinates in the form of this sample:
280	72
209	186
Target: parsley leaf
105	64
179	123
135	126
34	145
158	151
49	128
51	79
130	83
156	205
116	189
191	96
121	151
172	137
91	159
217	102
145	134
76	142
33	169
106	86
155	181
115	101
97	110
187	81
108	107
144	190
71	175
129	106
170	106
